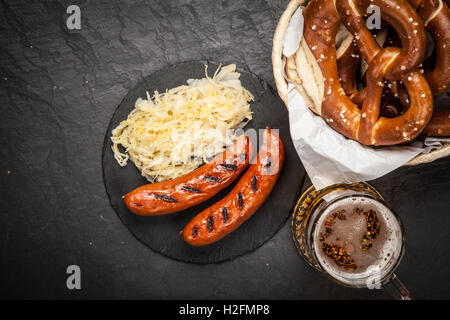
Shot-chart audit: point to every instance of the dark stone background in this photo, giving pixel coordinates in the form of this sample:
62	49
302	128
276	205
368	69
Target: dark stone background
58	91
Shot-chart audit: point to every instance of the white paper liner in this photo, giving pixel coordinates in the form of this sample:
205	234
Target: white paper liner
294	33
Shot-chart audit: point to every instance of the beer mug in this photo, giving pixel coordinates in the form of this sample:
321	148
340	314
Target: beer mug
350	234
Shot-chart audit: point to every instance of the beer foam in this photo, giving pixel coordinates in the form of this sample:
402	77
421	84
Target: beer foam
347	220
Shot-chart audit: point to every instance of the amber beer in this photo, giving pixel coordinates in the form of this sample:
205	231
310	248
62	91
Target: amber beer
349	233
357	240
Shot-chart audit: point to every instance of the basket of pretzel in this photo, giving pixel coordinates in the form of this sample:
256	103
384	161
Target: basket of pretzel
380	86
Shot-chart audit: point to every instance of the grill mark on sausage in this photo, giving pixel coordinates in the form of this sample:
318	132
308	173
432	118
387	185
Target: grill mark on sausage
254	183
195	231
267	163
240	200
210	223
137	204
228	166
225	214
164	197
190	189
212	178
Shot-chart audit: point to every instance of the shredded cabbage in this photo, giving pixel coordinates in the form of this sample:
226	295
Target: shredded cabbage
172	133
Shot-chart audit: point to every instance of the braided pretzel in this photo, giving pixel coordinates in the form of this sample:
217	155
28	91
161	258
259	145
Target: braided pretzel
436	17
395	100
322	18
348	59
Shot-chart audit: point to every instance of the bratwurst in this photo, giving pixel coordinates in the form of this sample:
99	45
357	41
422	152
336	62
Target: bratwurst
191	189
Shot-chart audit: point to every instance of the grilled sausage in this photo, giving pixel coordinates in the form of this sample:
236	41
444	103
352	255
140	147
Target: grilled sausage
193	188
241	203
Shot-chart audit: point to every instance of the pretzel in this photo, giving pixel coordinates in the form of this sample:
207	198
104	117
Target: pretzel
322	19
347	63
439	124
436	17
396	99
348	60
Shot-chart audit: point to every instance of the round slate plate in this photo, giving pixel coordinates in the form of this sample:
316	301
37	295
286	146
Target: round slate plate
161	233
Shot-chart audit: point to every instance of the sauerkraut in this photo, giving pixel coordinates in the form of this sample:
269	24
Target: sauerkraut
172	133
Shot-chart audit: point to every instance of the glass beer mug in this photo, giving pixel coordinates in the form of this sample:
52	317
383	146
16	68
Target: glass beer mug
350	234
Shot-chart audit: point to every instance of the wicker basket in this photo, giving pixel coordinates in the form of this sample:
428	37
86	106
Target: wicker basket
282	85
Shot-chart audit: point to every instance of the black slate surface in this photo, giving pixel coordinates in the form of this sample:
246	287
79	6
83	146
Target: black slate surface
161	233
58	91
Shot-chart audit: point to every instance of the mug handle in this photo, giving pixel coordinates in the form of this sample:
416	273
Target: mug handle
396	289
